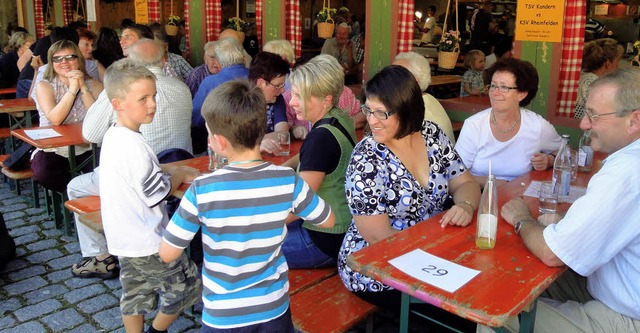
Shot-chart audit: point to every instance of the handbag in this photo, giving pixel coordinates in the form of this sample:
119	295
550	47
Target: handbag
19	159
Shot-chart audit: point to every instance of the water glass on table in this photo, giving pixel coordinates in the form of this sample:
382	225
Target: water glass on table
284	139
548	197
216	161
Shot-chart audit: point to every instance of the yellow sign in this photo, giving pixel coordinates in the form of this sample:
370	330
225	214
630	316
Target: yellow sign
540	21
142	11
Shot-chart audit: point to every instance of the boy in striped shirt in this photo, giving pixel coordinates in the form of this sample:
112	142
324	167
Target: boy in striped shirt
242	210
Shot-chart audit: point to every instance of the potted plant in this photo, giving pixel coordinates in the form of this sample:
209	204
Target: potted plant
172	25
448	50
325	22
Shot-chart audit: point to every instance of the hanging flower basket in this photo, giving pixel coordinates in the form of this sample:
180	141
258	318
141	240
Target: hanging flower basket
448	60
171	29
326	25
325	29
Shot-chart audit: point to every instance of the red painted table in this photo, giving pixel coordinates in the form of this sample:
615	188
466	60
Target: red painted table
202	163
510	278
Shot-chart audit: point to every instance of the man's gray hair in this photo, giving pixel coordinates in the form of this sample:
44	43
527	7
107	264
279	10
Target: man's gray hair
345	26
228	52
627	95
147	52
208	47
418	66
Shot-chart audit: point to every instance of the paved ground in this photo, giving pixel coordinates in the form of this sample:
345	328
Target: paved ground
38	292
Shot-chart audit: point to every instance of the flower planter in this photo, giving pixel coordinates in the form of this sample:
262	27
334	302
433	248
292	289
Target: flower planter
172	29
448	60
325	29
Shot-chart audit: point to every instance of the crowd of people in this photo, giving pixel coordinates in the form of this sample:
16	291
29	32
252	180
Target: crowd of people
250	221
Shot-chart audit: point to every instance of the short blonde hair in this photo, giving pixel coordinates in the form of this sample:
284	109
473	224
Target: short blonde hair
471	57
121	74
281	47
320	77
18	39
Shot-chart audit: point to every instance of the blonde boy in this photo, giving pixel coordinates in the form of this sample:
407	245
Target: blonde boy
133	187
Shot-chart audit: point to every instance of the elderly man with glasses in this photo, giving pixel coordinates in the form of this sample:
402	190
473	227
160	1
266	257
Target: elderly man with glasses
230	56
599	237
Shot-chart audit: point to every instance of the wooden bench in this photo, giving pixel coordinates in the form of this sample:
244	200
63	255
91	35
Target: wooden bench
17	176
302	279
92	220
83	205
329	307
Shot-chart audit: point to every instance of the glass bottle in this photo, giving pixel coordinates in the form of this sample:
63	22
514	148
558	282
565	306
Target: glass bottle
487	221
562	169
585	153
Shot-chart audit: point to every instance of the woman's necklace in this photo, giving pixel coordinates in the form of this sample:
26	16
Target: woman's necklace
493	120
245	162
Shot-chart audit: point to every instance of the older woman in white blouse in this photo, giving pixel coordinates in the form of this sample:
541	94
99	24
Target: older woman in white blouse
512	138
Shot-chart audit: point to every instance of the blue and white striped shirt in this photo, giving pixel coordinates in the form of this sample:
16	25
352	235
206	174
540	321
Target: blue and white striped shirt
242	212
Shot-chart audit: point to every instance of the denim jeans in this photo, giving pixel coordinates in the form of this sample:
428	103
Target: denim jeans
282	324
22	88
300	251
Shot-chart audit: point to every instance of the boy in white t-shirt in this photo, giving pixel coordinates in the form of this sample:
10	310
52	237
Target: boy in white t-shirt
133	187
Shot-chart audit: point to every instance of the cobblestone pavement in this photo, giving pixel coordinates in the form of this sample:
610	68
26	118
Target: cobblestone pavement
38	292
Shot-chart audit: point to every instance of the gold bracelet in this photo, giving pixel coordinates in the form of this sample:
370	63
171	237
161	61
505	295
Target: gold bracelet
468	203
85	90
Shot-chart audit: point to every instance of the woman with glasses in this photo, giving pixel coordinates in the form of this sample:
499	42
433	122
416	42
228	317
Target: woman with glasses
62	97
269	71
322	162
406	171
510	137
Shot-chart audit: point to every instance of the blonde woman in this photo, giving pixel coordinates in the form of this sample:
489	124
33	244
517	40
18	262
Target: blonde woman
322	162
62	97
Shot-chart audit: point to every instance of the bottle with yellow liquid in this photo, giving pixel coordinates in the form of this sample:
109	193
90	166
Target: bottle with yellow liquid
487	223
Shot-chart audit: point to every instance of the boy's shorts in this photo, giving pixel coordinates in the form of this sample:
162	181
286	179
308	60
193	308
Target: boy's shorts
144	280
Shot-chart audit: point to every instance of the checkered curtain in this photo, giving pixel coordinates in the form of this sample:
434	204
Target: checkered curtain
294	26
187	23
259	4
39	17
213	19
572	45
405	25
67	11
154	10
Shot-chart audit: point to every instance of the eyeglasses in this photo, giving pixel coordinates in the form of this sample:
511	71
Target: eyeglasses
595	116
278	87
502	89
68	57
382	115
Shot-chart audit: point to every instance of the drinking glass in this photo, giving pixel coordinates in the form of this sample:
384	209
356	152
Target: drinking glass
284	139
548	197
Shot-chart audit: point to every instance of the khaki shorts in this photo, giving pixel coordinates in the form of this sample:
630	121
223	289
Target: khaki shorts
145	280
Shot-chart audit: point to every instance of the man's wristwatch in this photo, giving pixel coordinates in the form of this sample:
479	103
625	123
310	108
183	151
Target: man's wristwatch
519	224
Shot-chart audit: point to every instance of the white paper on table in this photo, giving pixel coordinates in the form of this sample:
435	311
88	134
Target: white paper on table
44	133
575	192
433	270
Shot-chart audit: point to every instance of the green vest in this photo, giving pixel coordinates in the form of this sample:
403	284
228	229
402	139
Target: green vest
332	188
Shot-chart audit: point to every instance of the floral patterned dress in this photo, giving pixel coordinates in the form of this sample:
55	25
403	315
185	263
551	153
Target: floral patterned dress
378	183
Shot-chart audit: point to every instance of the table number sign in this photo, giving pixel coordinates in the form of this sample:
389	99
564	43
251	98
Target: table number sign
433	270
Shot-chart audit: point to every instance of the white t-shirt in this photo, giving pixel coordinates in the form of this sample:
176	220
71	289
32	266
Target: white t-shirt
132	192
429	23
510	159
